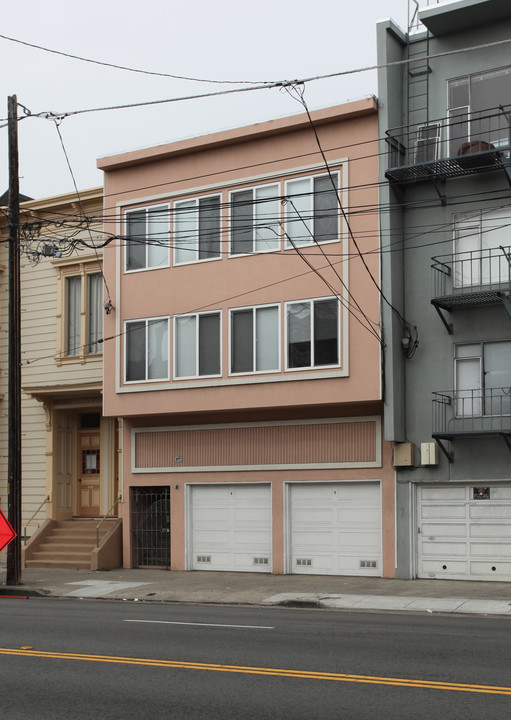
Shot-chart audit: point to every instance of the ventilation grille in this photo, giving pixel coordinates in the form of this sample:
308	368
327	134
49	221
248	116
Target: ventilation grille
261	561
304	562
203	558
368	564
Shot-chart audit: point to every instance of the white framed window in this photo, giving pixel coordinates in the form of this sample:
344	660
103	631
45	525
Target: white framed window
474	116
255	220
196	229
312	210
197	345
479	241
147	238
483	378
146	345
255	339
313	333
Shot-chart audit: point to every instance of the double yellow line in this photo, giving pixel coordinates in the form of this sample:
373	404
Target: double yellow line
275	672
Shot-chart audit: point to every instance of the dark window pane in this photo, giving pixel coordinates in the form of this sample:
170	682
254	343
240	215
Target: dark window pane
209	228
209	344
298	335
242	223
135	351
326	332
135	244
326	208
242	352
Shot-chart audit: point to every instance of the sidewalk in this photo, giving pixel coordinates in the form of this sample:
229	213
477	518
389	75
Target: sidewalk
355	593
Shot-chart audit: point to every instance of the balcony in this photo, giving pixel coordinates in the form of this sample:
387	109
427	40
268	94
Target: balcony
471	413
461	144
471	279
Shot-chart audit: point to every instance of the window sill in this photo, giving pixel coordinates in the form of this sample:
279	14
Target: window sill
78	359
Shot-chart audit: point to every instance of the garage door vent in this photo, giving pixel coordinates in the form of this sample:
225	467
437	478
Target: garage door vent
304	562
203	558
368	563
261	561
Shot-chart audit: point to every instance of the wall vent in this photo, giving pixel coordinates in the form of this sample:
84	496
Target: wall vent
304	562
261	561
203	558
368	564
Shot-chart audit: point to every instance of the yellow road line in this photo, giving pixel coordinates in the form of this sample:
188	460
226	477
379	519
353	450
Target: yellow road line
276	672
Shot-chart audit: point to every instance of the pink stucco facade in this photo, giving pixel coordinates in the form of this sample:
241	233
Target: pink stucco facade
242	347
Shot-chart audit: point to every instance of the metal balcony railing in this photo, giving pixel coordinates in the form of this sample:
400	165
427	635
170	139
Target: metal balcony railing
463	143
472	412
474	278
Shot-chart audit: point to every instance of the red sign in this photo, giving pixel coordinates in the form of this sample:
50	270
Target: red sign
6	532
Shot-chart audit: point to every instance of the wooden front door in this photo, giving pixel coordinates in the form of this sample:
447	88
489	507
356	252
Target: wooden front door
89	474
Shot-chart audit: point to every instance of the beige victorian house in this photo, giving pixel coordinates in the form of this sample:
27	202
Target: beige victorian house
69	450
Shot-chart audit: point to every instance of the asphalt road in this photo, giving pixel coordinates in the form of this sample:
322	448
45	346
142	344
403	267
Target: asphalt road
95	659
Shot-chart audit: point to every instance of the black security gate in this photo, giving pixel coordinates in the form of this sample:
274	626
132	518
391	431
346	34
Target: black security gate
150	526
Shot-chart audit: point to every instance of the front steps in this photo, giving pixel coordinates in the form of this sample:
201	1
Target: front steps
72	545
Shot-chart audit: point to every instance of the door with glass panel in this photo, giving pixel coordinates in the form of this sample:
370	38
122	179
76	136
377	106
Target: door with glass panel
89	473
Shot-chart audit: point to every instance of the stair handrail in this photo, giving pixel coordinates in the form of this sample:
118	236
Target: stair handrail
46	500
105	516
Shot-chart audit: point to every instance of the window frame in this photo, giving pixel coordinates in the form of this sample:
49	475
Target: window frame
311	302
253	189
479	355
197	374
145	320
288	245
126	243
81	270
195	199
255	309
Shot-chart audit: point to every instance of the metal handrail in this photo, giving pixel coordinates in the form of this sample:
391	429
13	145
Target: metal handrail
46	500
107	514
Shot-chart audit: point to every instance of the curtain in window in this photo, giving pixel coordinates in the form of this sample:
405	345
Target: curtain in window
185	346
157	349
266	220
267	338
185	231
95	312
157	237
74	285
299	212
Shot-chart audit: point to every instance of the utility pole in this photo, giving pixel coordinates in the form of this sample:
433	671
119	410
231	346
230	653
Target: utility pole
13	576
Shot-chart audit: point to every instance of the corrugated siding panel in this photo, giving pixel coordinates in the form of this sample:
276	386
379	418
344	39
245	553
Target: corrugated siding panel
350	442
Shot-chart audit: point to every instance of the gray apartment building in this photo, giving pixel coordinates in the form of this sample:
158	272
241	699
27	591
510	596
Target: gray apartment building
445	124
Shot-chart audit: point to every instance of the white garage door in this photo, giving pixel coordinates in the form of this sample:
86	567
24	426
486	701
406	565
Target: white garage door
335	528
230	528
464	533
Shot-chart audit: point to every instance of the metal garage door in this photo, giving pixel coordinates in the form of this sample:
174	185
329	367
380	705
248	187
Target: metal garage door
335	528
464	532
230	528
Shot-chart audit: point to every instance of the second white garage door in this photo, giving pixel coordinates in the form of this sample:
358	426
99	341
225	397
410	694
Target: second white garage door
230	528
335	528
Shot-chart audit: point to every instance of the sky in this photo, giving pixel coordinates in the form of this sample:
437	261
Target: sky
271	40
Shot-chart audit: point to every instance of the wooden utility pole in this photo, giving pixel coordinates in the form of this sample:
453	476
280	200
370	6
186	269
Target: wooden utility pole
13	576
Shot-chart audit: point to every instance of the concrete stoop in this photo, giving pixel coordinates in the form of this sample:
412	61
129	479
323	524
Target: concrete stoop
72	545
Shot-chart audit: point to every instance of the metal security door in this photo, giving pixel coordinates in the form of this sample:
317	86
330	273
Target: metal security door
150	526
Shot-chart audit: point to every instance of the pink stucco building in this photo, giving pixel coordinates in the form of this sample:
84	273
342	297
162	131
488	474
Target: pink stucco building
242	352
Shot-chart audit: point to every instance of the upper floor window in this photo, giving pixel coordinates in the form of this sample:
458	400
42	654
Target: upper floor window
197	345
255	220
147	243
147	349
313	333
197	229
482	243
474	114
312	210
82	313
255	339
483	379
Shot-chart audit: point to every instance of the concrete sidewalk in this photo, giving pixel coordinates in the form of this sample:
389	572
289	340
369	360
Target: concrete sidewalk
354	593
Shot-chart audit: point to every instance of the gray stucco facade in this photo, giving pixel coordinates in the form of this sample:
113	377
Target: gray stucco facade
445	116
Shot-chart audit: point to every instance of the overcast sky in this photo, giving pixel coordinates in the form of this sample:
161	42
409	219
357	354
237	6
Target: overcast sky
224	40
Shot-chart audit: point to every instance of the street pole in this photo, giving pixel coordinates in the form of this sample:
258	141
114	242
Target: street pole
13	575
